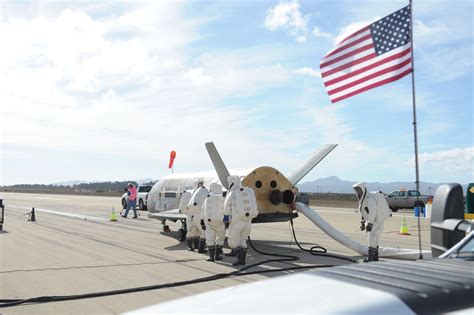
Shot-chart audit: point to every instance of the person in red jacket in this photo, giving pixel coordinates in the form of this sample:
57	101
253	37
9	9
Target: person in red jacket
132	200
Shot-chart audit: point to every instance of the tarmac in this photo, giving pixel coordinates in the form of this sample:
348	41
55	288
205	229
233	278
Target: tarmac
73	248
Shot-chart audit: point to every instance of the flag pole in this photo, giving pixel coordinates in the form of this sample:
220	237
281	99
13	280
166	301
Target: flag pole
417	182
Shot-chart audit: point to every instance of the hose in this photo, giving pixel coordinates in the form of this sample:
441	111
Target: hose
4	303
284	258
318	250
386	252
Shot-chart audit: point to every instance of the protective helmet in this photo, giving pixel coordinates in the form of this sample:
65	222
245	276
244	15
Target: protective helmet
360	190
216	189
234	182
198	183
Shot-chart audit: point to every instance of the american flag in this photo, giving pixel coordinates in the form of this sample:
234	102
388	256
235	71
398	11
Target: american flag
373	56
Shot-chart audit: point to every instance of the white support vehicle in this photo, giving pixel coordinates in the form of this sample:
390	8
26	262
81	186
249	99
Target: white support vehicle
142	197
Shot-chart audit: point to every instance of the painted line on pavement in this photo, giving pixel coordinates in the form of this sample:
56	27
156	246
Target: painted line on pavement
64	214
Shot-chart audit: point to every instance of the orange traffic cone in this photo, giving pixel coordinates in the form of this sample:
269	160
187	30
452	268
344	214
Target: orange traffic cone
404	228
113	216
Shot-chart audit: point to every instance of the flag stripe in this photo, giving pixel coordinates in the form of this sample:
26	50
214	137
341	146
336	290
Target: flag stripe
347	49
349	58
348	65
391	59
370	81
370	76
333	54
349	40
357	34
349	54
395	78
335	75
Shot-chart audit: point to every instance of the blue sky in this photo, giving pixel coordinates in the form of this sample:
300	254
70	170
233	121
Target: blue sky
104	91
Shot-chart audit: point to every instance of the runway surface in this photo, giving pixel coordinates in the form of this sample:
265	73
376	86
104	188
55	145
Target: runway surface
73	248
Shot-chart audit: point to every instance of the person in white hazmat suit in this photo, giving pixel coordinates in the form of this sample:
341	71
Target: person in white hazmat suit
193	233
213	209
195	206
374	210
240	207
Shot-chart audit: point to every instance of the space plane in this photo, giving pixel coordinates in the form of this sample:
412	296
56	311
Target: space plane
275	192
441	283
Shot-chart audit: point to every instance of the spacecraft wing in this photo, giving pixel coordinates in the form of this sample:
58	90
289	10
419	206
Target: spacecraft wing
171	215
218	163
315	158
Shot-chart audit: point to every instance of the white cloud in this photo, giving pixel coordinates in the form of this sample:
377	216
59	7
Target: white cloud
353	157
287	15
308	71
126	85
445	63
129	85
430	34
352	28
457	162
197	76
110	94
320	34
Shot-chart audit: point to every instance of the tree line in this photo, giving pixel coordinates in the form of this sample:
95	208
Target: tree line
116	186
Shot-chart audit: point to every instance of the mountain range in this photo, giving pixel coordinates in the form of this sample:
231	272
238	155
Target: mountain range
333	184
330	184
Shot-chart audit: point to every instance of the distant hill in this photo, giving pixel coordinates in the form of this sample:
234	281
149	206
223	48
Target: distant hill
330	184
333	184
70	183
78	186
146	181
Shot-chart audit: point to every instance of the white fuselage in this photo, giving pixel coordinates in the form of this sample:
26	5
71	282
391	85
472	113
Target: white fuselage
273	191
166	193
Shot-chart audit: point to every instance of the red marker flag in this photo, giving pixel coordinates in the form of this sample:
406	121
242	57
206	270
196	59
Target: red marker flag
172	157
373	56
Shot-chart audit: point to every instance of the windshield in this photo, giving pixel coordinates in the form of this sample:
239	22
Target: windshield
466	251
144	189
462	250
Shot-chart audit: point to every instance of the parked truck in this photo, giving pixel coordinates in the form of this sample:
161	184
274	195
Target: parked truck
406	199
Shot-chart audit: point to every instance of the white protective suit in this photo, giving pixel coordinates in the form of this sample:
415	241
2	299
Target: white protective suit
192	234
213	208
213	215
241	205
195	207
374	210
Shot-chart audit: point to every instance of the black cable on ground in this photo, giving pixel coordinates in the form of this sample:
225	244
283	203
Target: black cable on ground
318	250
4	303
284	258
315	250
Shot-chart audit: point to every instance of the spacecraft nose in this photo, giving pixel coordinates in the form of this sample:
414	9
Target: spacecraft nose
277	197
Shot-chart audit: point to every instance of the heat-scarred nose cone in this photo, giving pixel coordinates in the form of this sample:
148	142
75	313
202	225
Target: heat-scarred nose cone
288	197
277	197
